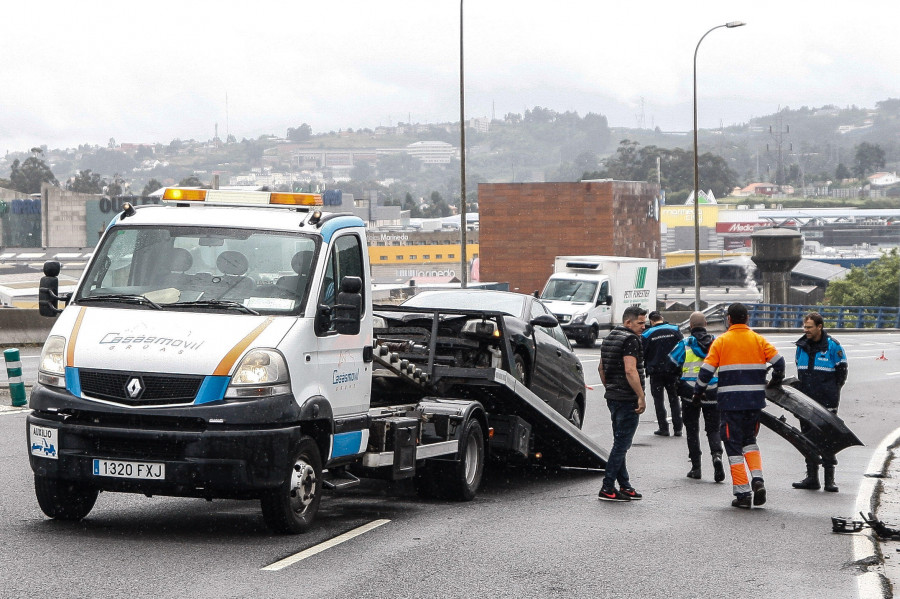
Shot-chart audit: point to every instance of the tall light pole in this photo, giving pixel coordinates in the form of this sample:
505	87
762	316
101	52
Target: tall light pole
729	25
464	267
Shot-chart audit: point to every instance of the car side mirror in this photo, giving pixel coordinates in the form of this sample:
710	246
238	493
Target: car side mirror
348	307
48	292
544	320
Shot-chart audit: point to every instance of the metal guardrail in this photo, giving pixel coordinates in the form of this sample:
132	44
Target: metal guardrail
836	317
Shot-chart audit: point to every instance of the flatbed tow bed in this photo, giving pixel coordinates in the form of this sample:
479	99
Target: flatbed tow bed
553	438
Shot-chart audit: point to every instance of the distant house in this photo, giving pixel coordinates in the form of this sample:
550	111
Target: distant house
759	189
882	179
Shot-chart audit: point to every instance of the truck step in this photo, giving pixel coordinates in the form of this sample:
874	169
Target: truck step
339	481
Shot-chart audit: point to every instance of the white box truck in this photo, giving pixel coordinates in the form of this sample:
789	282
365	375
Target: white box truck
588	293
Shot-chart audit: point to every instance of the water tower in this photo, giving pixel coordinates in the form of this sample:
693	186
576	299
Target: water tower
776	252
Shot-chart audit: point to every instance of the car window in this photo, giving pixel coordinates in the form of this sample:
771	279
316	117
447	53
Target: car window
509	303
344	260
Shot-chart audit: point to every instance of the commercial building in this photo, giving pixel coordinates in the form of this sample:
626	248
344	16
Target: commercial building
525	225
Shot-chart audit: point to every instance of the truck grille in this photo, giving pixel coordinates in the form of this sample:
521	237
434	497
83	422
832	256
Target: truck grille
135	389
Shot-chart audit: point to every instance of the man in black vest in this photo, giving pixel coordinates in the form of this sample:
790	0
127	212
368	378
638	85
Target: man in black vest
622	373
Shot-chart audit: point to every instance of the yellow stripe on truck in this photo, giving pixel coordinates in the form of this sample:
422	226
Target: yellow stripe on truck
231	357
70	348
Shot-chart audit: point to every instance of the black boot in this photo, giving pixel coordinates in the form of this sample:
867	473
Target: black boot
695	470
829	480
811	482
718	468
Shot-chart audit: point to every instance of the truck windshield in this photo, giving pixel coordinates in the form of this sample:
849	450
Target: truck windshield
570	290
200	269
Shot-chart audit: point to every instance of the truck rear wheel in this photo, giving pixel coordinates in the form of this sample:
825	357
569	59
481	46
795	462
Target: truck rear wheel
458	480
292	507
64	500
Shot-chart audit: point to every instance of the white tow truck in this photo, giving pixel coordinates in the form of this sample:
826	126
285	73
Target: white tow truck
221	345
588	294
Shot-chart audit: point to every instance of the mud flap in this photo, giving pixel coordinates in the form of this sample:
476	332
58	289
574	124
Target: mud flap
827	433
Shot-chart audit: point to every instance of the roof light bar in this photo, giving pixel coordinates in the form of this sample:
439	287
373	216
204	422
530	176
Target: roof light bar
176	194
296	199
242	198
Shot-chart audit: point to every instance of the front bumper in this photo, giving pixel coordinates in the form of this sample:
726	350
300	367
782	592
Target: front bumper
238	458
577	331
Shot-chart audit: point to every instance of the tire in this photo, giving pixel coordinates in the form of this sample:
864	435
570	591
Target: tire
577	416
64	500
590	340
292	507
458	480
520	369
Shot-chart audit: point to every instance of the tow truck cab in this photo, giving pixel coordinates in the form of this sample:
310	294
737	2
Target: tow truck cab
203	338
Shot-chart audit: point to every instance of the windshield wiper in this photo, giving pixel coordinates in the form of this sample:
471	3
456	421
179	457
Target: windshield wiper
214	303
125	298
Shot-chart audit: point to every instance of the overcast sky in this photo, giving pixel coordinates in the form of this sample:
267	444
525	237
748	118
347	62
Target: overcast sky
86	71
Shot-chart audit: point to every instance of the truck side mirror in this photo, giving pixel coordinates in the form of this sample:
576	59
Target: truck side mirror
608	300
49	290
348	307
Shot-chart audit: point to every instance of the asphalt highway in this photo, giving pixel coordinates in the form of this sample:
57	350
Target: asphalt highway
531	532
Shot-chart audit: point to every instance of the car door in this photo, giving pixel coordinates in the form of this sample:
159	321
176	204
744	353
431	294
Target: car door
342	370
551	365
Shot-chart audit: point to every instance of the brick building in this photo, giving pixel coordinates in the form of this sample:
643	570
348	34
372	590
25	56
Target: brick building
523	226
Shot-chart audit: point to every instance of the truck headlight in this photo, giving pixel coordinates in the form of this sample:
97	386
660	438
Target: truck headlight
262	373
579	318
52	370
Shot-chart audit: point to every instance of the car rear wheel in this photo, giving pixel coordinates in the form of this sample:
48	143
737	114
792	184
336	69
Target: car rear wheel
520	366
577	416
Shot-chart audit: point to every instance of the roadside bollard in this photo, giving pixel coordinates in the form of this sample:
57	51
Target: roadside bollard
14	372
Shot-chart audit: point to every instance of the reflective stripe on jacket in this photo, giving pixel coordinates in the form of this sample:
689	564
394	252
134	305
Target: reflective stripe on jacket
690	355
823	376
740	356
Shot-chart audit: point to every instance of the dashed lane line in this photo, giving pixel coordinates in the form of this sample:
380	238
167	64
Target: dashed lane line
316	549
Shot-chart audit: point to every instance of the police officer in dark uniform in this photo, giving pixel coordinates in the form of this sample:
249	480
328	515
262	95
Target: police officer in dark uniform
822	371
658	340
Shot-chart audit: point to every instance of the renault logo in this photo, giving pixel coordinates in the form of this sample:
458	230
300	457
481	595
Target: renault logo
134	388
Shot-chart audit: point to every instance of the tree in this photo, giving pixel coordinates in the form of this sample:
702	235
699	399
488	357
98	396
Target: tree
361	171
872	285
27	177
631	162
410	204
150	187
301	133
191	181
86	181
869	159
842	172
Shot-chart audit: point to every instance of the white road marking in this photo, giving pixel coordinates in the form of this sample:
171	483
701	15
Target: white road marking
864	544
315	549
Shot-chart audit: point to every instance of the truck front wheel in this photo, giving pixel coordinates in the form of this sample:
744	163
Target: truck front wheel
590	339
292	507
64	500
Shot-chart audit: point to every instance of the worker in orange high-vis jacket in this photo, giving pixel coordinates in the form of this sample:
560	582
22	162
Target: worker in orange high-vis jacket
740	356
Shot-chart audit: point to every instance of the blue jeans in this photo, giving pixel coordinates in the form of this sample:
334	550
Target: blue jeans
624	424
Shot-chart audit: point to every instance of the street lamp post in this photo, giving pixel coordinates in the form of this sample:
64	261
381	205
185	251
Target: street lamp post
464	267
729	25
